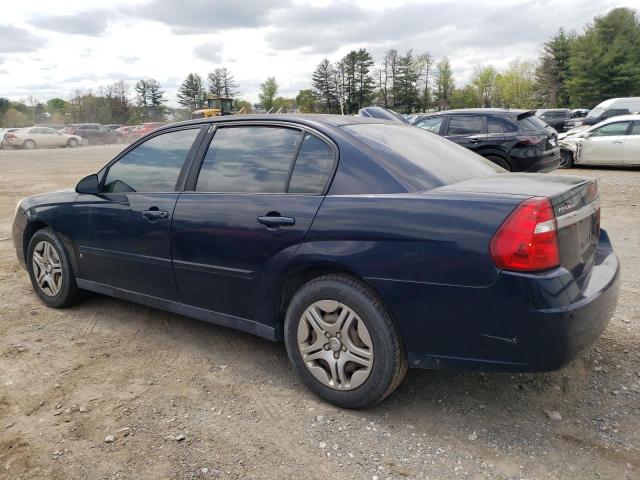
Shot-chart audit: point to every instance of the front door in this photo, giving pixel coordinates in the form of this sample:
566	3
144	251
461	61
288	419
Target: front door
127	243
605	145
248	214
466	130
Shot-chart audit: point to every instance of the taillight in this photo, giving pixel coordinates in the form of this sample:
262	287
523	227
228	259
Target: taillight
530	139
527	240
11	136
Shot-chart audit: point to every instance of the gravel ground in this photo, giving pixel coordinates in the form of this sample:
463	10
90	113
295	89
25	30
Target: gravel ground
110	389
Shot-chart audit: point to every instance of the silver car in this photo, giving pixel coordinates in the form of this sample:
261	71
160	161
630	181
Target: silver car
615	141
33	137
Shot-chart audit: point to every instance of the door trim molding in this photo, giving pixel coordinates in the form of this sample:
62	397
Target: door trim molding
237	323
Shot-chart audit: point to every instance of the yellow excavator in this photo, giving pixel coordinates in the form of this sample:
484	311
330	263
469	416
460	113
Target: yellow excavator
216	106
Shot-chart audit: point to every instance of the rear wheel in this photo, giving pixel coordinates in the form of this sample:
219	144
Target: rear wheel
343	343
29	144
501	162
566	159
72	143
50	271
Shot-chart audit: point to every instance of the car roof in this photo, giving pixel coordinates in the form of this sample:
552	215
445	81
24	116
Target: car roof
489	111
618	118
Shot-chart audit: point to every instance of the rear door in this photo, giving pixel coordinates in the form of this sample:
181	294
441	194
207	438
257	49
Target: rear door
249	211
467	130
605	145
127	227
632	145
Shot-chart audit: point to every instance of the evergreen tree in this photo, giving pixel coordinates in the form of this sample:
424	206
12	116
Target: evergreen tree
554	70
324	83
191	92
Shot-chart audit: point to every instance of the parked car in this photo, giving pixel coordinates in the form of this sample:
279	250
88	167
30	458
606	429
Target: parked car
3	132
368	246
50	125
36	137
127	133
383	114
577	115
93	133
516	140
613	107
143	129
554	117
115	126
615	141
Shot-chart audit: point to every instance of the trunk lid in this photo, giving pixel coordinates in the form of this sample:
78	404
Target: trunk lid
575	202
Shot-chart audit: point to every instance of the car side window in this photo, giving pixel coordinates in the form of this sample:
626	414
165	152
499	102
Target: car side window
248	159
635	129
464	125
616	128
430	123
313	166
153	166
498	125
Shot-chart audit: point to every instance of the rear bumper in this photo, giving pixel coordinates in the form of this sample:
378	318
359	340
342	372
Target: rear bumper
546	163
523	322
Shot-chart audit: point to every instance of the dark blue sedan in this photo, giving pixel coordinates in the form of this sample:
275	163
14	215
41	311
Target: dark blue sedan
368	246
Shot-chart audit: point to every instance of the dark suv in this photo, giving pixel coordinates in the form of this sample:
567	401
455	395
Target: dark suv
516	140
554	117
93	133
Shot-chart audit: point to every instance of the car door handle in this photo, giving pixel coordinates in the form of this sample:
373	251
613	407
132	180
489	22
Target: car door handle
473	140
616	141
273	221
154	214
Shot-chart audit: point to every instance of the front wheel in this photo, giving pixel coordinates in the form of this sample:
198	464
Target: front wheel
50	271
343	343
501	162
566	159
72	143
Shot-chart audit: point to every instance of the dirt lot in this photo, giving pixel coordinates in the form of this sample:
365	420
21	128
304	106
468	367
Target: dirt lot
184	399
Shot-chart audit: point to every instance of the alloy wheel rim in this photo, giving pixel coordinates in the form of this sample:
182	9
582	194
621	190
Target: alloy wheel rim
335	345
47	268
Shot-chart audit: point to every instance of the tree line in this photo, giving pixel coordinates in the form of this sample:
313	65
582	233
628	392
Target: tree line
572	70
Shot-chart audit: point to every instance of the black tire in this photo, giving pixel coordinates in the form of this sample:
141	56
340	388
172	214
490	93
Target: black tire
566	159
29	145
72	143
68	294
501	162
389	364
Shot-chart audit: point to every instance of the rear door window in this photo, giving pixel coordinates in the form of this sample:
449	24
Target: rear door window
611	129
500	125
532	123
464	125
313	166
248	159
635	129
153	166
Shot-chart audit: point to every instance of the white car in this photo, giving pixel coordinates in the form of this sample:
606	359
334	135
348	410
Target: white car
615	141
33	137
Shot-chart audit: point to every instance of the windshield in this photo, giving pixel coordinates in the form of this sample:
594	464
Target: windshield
595	113
419	159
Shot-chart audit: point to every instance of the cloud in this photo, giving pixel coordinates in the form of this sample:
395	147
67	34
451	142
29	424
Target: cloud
92	23
210	51
18	40
203	16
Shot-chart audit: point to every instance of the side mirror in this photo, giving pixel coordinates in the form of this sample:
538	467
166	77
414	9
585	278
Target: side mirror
89	184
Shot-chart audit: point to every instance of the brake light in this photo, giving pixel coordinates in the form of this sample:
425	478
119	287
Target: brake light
11	136
530	139
527	240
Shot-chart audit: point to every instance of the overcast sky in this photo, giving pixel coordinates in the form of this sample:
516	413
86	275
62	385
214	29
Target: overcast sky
48	49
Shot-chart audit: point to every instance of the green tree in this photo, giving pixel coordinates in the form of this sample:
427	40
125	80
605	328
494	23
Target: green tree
466	97
554	70
517	85
483	80
405	88
324	83
15	118
222	84
5	104
306	100
243	105
445	83
191	92
283	105
605	60
268	91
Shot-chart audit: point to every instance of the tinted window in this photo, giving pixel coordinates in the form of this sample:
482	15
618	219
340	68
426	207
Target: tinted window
248	160
635	129
431	123
464	125
153	166
48	131
313	166
532	123
499	125
614	112
419	159
617	128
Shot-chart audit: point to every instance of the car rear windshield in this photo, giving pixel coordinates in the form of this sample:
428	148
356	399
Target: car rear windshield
531	123
421	160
